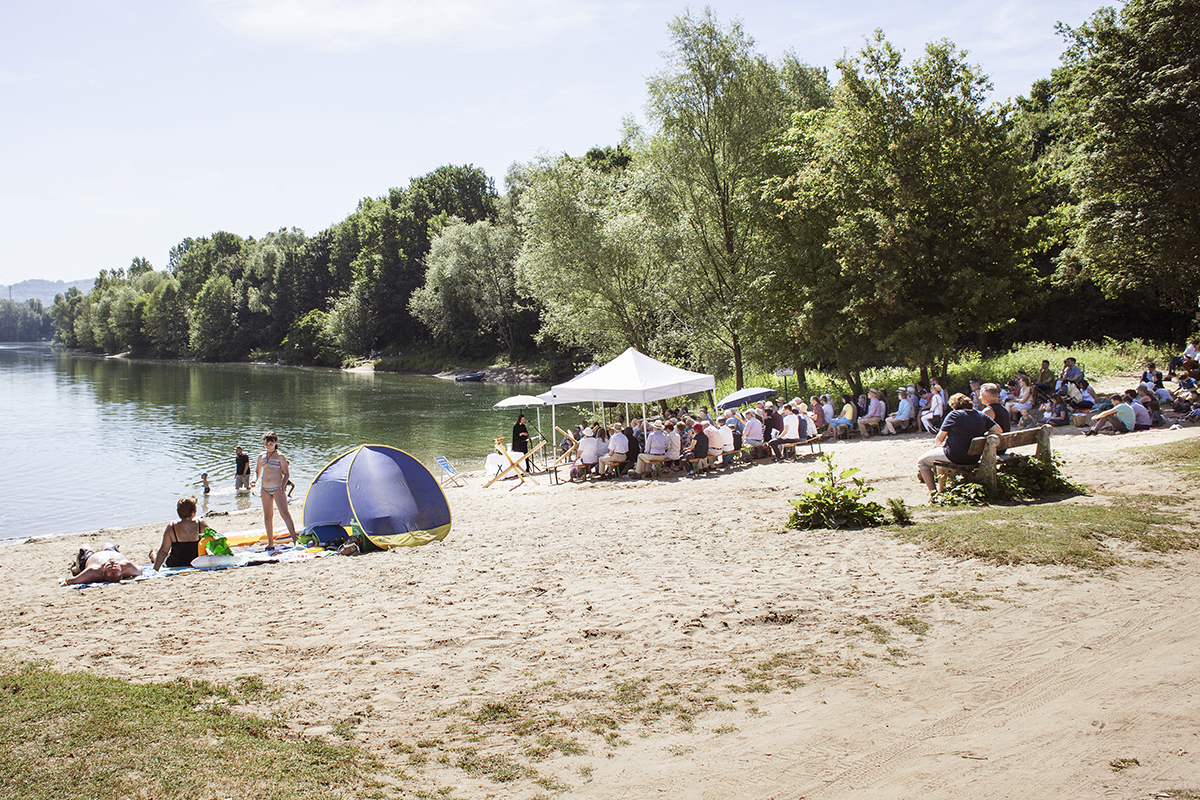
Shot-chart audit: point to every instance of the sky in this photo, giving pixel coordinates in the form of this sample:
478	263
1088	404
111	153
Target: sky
129	125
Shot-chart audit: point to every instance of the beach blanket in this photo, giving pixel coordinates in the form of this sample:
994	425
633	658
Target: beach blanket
246	558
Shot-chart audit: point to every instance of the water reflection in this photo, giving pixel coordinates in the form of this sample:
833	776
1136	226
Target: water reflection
117	441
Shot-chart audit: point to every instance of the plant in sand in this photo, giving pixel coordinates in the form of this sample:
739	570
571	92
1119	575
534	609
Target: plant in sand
1022	478
835	501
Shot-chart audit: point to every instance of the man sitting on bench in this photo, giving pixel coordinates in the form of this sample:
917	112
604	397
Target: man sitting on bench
789	435
618	450
953	441
656	450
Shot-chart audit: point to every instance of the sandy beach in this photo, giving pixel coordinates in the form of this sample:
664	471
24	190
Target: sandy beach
632	639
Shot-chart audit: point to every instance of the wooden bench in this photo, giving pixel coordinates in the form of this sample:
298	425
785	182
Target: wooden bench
813	443
989	448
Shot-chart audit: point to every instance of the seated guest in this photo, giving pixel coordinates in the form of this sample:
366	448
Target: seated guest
1022	402
590	449
674	442
874	414
961	426
976	402
820	421
847	417
1071	373
104	566
1058	413
618	449
698	453
656	449
752	435
1190	353
931	418
827	407
1152	376
728	441
902	416
1119	419
1141	414
1156	418
789	435
1045	378
716	443
181	540
989	393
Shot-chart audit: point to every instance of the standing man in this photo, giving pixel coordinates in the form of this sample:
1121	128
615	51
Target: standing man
242	470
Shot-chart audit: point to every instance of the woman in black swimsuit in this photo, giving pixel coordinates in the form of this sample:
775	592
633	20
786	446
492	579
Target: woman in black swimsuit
181	540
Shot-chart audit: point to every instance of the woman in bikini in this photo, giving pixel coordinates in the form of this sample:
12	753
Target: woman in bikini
273	470
180	542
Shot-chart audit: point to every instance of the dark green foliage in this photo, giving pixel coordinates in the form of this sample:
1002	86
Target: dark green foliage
24	322
835	501
1131	106
1022	478
901	515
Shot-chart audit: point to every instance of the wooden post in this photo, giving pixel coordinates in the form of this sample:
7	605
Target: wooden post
1043	444
986	471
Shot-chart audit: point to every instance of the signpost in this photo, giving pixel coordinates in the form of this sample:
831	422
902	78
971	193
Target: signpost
784	372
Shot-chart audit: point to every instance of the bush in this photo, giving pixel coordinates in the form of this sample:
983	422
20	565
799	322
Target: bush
1023	478
835	501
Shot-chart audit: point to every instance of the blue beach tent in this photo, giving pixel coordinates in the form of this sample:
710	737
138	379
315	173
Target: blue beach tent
386	492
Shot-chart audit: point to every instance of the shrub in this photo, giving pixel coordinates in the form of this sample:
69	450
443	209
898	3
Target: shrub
835	501
1022	478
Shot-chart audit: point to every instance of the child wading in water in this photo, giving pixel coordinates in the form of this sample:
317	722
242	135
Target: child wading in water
273	471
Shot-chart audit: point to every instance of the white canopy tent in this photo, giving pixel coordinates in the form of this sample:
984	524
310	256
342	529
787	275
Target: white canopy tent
631	377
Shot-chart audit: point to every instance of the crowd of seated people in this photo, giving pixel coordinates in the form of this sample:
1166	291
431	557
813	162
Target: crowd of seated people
689	441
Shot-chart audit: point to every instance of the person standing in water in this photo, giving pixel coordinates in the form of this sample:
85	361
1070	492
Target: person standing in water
273	471
241	463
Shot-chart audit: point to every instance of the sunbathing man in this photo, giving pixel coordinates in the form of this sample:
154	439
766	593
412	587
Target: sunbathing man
105	566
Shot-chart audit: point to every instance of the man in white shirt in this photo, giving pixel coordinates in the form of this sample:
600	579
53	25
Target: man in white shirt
789	435
904	413
727	446
674	442
874	414
618	447
656	449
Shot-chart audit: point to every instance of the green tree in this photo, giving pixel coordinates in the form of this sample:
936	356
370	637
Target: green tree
63	313
470	296
923	193
1132	103
212	319
165	322
590	255
717	106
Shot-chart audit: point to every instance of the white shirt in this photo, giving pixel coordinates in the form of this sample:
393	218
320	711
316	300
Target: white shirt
589	450
828	409
656	443
726	438
791	427
618	444
674	445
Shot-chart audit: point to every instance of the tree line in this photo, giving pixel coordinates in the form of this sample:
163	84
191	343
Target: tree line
766	215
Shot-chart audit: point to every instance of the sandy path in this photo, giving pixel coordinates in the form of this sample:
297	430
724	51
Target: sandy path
893	671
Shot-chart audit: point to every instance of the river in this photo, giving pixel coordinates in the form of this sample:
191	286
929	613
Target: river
92	443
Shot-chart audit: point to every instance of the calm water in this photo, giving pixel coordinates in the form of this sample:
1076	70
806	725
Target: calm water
92	443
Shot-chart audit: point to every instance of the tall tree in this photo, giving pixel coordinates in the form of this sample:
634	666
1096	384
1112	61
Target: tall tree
717	106
923	193
470	296
589	255
1133	105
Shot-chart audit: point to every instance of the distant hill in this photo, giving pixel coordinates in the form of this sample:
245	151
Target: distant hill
43	290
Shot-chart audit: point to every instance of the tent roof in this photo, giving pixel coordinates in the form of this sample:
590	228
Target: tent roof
631	377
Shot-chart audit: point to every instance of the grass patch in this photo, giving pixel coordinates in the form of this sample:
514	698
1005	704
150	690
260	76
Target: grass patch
78	735
1121	764
1070	535
1182	456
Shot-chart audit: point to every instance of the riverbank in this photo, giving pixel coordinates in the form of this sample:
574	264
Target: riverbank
627	638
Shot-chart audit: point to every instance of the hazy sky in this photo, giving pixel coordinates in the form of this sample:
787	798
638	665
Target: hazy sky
128	125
